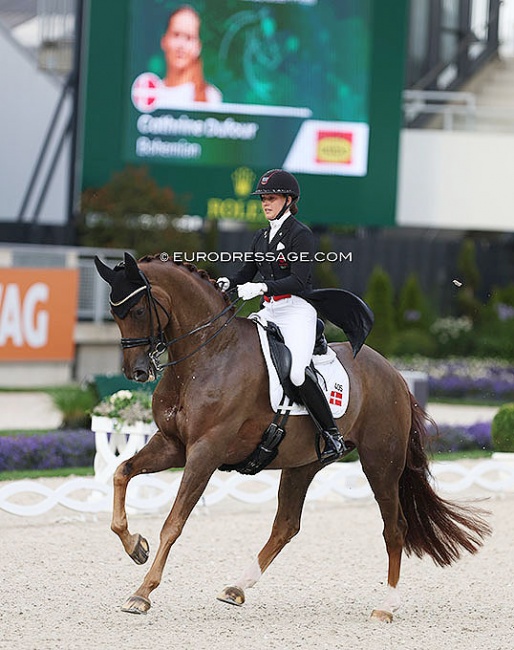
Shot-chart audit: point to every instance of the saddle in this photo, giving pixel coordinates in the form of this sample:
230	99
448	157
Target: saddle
280	355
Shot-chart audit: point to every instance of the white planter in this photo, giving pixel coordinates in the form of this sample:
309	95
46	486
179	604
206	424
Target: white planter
116	442
503	456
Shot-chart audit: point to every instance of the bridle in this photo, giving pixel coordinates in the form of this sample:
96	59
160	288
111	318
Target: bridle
159	344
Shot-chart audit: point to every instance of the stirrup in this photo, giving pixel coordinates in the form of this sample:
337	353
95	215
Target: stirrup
335	447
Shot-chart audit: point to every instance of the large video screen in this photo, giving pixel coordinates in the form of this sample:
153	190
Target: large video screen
221	82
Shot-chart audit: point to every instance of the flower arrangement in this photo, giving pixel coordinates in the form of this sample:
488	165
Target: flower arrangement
126	406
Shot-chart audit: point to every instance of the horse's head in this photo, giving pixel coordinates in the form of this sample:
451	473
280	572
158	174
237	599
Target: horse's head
140	311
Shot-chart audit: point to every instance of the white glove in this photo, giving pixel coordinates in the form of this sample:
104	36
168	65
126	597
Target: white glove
251	289
223	283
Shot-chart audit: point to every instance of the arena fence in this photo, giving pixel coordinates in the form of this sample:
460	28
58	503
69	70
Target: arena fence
150	494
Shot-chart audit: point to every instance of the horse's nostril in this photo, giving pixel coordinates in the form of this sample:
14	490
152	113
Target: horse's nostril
140	375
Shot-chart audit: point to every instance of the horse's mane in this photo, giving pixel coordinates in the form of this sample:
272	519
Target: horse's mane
202	273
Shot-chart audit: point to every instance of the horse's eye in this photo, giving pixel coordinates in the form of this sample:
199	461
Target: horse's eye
139	311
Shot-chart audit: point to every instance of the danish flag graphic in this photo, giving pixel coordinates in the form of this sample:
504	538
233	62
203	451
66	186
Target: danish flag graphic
336	398
145	90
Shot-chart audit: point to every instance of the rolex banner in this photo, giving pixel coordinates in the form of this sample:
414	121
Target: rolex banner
225	82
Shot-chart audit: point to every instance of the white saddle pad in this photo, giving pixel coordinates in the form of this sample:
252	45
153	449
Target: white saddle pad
335	382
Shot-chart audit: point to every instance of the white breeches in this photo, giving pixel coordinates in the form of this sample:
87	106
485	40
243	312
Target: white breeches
296	319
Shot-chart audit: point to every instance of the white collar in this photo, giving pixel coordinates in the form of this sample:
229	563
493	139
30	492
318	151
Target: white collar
276	224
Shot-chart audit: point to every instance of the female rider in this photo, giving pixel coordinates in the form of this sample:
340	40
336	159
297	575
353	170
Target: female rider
283	256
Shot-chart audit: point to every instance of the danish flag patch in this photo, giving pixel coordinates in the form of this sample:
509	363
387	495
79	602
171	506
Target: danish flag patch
336	398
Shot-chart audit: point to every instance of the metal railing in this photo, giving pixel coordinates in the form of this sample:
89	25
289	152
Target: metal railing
446	104
56	34
454	111
461	37
93	302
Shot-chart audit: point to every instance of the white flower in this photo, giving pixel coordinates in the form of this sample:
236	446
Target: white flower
127	406
121	394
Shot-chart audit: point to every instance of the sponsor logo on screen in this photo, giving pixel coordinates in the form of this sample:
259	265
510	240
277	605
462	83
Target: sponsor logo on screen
334	147
243	179
329	147
241	206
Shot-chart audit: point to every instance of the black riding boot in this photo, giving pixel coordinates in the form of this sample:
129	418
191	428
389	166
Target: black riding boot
316	403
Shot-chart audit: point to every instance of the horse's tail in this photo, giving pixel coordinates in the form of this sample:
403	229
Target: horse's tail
437	527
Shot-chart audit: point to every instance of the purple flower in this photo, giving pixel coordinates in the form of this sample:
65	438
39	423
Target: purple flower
448	438
47	451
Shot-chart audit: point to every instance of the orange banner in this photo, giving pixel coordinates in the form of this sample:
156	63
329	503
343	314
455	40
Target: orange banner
38	311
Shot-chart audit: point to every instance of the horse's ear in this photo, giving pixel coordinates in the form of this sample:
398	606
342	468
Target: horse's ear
105	272
131	268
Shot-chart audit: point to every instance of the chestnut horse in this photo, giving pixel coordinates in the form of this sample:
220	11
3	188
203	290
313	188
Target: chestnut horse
211	408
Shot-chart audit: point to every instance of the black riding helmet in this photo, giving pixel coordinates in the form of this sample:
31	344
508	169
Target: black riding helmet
278	181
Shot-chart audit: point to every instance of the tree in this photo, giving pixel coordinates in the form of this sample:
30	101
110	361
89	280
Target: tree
467	302
132	212
413	312
380	297
324	274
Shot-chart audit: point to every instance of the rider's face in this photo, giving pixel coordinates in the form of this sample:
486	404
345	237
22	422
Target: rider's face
181	43
272	204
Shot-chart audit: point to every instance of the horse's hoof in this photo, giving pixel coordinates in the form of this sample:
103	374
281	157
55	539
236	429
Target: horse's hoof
232	596
382	616
136	605
141	550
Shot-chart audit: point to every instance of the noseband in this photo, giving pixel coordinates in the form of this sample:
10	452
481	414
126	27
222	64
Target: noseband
159	344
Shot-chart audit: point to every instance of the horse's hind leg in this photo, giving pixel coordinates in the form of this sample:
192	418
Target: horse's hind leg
158	454
395	528
385	488
294	484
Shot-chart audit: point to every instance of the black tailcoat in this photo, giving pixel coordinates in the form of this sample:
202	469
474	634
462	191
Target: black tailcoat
285	263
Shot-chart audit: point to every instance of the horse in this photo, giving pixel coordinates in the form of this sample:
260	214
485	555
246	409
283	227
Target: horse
212	405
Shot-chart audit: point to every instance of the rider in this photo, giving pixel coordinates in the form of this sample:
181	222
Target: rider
283	256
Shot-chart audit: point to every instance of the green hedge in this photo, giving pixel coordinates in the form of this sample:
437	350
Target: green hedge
502	429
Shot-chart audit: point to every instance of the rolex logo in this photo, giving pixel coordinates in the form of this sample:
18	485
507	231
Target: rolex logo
243	179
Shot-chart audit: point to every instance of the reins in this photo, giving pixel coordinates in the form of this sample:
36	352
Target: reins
158	351
158	344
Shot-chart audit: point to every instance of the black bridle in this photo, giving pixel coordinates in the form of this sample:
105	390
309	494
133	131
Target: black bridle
159	344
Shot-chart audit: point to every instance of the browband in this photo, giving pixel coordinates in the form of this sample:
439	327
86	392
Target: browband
116	304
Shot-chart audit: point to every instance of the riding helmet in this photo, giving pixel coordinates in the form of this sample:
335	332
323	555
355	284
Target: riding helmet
278	181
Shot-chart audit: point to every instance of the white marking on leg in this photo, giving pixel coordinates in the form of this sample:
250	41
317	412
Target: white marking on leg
392	600
250	576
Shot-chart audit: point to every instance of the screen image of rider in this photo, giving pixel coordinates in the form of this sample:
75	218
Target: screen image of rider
229	81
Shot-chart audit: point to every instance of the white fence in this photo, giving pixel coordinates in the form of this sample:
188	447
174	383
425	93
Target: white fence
156	493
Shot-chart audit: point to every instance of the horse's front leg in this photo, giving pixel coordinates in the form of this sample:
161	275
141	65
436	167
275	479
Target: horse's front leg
200	465
294	484
158	454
